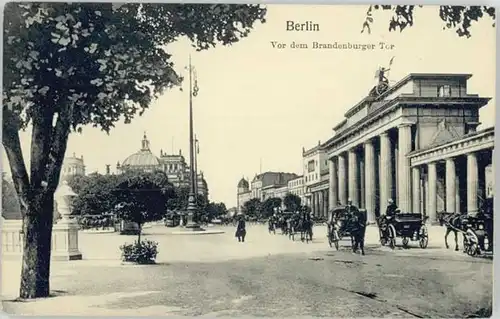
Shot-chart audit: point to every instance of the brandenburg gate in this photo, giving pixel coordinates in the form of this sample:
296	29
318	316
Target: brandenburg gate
416	143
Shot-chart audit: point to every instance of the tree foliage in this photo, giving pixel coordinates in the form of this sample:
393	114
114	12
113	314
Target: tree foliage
142	197
269	205
10	201
458	18
66	65
252	207
95	196
215	210
292	202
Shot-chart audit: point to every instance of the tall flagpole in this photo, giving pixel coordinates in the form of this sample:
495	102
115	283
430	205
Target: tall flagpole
192	207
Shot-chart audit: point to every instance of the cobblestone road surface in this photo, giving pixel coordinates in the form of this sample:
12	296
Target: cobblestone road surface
268	275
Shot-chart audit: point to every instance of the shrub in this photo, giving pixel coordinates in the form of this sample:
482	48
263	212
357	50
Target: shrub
140	252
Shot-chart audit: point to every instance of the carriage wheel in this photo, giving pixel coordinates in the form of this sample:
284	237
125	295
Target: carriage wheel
392	237
472	250
383	239
424	238
335	239
406	241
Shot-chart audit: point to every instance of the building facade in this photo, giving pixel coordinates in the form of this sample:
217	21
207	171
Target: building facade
263	186
173	165
296	187
315	165
415	143
72	166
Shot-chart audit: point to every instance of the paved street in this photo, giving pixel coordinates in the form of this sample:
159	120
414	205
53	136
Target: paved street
268	275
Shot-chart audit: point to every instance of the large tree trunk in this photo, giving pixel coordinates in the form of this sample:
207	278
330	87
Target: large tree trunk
36	192
35	271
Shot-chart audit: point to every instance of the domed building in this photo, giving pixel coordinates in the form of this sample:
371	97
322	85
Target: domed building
143	160
174	165
244	194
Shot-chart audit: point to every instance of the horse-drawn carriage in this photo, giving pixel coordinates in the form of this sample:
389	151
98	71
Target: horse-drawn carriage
408	226
338	228
476	229
476	237
347	223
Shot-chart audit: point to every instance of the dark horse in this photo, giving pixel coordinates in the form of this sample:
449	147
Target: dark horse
454	222
305	226
356	225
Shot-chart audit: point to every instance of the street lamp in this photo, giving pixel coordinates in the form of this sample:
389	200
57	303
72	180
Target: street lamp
196	152
192	207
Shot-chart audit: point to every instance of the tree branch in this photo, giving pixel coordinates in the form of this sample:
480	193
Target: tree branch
40	145
12	145
60	141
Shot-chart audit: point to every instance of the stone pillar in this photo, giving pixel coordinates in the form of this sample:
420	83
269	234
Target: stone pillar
313	203
404	186
472	183
342	180
415	175
318	206
370	189
65	232
320	202
385	176
458	206
327	203
353	178
451	181
432	183
332	189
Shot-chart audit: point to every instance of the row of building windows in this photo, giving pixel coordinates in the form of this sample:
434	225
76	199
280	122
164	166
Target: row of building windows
311	177
444	91
172	167
296	182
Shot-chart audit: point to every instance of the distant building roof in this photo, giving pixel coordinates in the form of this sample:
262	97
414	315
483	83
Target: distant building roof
274	178
243	183
144	157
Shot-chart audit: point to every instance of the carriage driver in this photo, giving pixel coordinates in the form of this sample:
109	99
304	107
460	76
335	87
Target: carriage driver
350	208
391	208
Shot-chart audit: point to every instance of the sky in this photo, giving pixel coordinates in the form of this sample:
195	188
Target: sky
258	106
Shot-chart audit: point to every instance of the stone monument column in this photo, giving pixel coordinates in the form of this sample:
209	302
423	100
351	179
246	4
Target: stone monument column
385	170
65	232
415	175
450	185
472	183
404	186
332	189
342	181
353	177
432	183
370	200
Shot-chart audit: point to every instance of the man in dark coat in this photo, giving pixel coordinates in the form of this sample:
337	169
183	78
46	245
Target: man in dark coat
350	209
391	208
241	229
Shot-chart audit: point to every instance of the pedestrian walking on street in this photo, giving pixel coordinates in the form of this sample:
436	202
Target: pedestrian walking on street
241	231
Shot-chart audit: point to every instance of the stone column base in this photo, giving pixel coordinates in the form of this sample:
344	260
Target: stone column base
65	241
